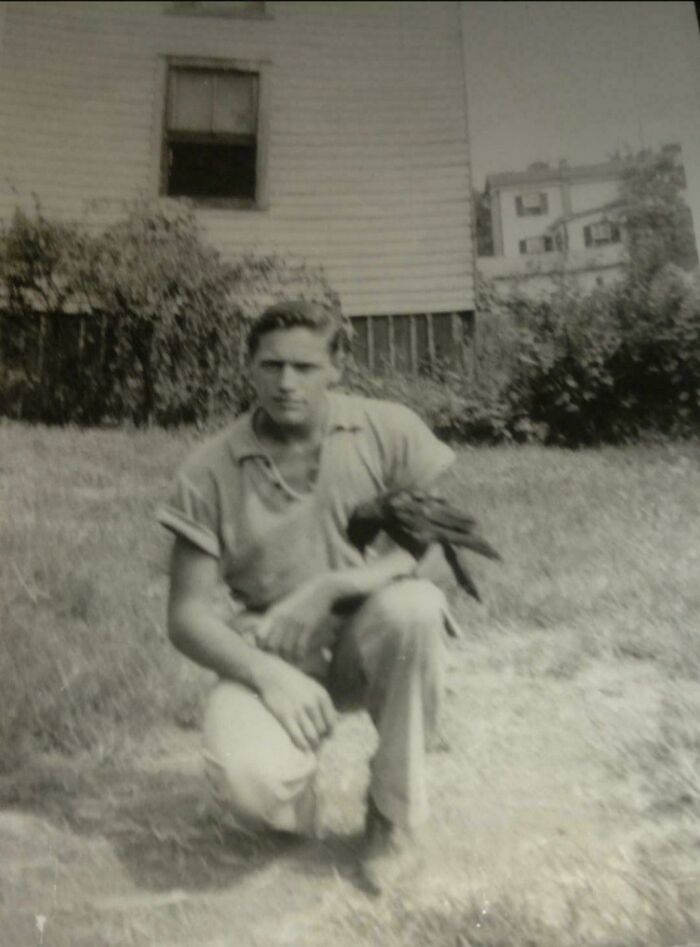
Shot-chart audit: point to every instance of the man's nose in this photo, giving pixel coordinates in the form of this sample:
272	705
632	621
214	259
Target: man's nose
287	378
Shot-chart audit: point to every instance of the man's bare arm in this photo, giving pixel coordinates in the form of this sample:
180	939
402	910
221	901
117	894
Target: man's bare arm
193	624
300	704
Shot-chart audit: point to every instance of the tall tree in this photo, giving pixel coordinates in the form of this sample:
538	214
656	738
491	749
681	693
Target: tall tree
657	220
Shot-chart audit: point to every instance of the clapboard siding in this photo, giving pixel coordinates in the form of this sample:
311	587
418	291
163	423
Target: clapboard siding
368	168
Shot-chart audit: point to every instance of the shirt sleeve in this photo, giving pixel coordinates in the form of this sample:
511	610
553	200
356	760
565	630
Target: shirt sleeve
419	457
191	510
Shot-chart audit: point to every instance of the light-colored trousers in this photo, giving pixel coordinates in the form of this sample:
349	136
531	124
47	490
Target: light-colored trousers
388	658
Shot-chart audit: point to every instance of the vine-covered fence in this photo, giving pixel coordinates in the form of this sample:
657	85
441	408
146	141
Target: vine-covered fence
57	366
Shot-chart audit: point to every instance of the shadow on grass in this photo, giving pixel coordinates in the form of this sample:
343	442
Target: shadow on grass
171	841
164	833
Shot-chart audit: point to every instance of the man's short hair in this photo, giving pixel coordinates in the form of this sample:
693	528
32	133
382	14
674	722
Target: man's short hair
298	313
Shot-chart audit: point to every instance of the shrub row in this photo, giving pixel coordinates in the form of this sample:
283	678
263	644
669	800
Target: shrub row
608	366
142	322
161	325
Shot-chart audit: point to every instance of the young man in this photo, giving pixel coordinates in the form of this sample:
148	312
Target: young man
264	507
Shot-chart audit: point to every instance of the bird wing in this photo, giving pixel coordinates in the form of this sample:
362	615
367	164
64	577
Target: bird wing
432	519
415	520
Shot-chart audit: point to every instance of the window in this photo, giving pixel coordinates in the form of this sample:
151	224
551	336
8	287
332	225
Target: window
253	9
212	147
536	245
531	204
600	234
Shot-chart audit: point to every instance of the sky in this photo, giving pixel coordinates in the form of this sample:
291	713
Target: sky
577	80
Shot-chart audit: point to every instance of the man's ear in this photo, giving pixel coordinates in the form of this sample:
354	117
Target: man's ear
337	367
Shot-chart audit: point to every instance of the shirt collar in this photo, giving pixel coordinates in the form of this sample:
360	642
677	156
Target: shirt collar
343	415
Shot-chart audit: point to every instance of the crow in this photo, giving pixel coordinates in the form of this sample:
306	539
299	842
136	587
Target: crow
415	520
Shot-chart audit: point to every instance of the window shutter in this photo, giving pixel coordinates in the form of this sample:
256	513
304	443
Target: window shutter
519	207
547	244
587	237
615	233
544	204
523	246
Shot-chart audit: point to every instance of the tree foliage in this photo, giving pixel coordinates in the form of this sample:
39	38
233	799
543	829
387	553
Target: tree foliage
657	220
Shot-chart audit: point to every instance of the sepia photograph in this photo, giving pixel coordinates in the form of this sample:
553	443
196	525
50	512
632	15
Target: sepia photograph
349	473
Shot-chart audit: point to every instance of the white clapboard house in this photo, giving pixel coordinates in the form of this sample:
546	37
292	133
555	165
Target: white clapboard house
333	132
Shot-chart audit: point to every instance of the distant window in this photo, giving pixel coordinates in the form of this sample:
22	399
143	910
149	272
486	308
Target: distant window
536	245
231	8
211	134
560	241
531	204
600	234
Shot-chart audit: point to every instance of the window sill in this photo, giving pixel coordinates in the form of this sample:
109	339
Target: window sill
218	203
220	14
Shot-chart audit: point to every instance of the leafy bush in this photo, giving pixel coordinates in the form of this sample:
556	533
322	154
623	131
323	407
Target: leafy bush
573	369
40	262
144	321
445	399
608	366
168	296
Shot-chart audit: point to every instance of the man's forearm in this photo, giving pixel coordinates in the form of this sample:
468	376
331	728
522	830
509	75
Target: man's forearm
197	631
369	578
201	636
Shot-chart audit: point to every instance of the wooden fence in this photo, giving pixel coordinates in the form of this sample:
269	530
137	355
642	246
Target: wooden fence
59	365
52	363
407	343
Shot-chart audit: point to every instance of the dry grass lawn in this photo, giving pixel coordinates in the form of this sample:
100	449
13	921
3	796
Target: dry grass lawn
566	794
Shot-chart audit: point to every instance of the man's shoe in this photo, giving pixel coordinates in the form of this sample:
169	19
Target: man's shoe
386	851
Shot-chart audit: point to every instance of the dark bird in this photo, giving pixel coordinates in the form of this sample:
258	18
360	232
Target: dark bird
415	520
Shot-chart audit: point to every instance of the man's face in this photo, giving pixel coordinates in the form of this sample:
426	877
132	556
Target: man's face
290	371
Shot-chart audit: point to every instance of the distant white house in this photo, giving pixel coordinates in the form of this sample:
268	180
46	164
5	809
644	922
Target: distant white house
334	132
550	221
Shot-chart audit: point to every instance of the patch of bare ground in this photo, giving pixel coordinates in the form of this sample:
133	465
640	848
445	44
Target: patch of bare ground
541	818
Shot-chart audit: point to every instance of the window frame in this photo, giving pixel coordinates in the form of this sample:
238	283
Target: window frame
265	13
260	68
591	242
542	208
545	238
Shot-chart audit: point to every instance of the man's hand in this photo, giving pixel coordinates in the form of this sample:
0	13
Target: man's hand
291	628
301	704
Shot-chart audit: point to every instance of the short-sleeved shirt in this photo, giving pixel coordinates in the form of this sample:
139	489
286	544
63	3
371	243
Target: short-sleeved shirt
229	500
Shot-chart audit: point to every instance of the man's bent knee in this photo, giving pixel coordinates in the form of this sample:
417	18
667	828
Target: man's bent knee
411	602
410	614
254	769
257	798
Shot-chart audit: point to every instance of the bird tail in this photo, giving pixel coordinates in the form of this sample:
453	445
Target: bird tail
460	573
